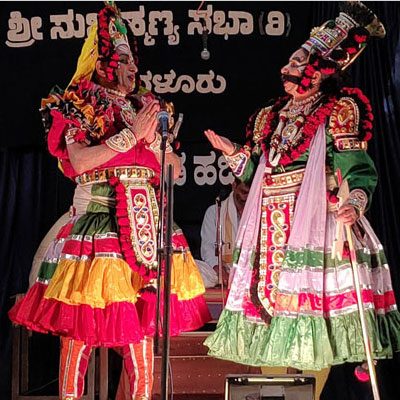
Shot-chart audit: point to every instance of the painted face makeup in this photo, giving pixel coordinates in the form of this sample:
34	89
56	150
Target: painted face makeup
126	72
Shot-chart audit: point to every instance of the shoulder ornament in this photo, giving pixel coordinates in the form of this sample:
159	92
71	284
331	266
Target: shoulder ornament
344	126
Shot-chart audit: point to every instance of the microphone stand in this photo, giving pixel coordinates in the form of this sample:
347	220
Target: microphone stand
164	247
160	239
167	283
218	246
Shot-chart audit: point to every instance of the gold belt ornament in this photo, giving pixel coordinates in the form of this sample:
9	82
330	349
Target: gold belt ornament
286	179
294	178
102	175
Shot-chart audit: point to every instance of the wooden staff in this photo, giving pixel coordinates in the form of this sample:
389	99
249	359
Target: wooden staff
343	194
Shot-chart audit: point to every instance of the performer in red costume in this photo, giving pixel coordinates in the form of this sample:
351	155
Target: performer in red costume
291	303
97	282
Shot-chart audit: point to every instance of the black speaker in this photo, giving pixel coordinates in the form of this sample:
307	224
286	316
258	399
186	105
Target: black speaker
269	387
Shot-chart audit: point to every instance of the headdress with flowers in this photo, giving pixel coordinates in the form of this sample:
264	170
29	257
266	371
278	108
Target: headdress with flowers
109	32
336	44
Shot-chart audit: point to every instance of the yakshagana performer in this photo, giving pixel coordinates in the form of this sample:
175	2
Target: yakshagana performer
96	285
290	303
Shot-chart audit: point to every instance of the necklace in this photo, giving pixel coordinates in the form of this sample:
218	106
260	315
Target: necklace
292	135
286	135
124	105
307	100
303	107
289	130
115	92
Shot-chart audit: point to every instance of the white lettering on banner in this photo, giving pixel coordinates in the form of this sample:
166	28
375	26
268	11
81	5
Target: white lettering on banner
23	32
91	18
205	173
276	24
136	21
245	27
182	176
241	22
170	83
70	21
237	22
204	82
225	174
170	29
196	25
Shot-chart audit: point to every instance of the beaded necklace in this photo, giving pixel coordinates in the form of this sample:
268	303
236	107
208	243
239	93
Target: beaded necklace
294	131
115	92
289	130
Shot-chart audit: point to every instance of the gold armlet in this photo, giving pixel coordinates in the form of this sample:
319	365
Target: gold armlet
122	141
154	146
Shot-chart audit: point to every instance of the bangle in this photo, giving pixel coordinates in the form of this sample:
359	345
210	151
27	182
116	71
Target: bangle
154	146
359	200
76	135
122	141
236	149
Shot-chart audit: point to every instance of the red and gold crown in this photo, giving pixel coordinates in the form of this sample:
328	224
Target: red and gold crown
111	33
105	36
342	40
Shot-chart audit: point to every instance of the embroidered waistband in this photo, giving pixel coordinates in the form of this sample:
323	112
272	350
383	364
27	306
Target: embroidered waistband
291	181
286	179
294	178
102	175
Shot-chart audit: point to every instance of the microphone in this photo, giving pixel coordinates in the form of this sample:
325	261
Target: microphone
205	54
163	118
177	126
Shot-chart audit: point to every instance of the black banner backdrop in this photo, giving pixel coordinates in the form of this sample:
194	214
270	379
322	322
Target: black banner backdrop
248	42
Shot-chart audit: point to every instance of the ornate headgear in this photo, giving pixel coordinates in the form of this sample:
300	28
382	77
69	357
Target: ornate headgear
337	43
104	37
342	40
